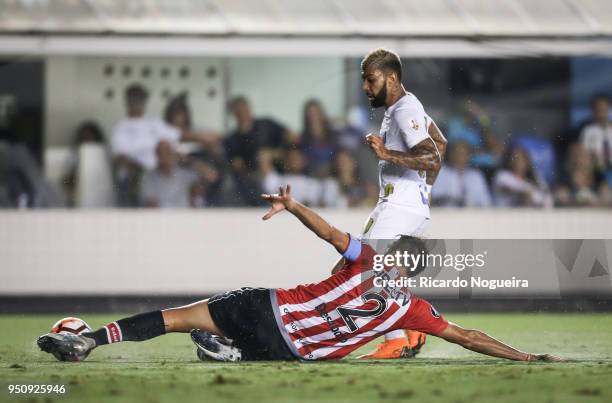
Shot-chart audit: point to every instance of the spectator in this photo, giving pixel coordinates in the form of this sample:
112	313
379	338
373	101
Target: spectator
22	184
212	167
178	114
473	126
353	192
596	137
458	185
251	135
353	129
209	160
305	189
243	145
134	142
518	184
88	132
15	188
168	185
581	189
207	189
318	139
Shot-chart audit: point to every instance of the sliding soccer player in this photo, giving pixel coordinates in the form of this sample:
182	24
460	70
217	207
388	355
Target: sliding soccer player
410	148
322	321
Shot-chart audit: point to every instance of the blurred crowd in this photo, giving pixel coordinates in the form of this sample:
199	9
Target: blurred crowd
257	155
327	163
530	171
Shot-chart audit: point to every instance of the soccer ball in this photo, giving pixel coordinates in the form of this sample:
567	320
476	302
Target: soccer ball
70	325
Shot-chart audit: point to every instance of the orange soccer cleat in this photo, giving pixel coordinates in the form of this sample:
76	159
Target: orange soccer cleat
415	340
403	347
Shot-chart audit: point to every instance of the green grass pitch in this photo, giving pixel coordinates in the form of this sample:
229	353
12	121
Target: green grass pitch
166	369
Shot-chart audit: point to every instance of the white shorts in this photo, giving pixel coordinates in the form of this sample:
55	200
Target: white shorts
390	221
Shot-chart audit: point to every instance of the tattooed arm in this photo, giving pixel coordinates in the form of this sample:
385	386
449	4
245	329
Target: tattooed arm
436	135
422	157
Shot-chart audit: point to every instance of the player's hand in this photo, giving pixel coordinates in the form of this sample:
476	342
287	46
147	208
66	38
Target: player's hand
377	145
545	358
279	201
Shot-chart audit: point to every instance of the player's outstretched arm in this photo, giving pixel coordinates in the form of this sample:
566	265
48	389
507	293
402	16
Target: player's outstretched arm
481	342
283	201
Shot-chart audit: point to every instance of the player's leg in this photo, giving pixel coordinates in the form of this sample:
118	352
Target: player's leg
139	327
389	221
192	316
416	339
480	342
148	325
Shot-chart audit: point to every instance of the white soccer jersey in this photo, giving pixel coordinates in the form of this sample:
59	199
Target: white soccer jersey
404	125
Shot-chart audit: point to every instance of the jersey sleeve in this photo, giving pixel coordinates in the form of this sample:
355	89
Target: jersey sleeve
353	250
412	122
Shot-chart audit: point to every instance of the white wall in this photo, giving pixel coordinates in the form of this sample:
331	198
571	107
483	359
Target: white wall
182	252
279	86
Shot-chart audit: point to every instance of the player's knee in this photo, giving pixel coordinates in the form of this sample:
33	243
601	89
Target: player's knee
180	319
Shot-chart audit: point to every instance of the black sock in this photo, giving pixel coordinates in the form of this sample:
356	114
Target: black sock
139	327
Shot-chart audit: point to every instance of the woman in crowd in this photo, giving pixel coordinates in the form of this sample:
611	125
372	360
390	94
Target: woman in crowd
518	184
579	187
208	161
88	132
355	192
318	140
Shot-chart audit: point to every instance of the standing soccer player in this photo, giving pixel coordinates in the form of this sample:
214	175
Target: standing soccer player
410	148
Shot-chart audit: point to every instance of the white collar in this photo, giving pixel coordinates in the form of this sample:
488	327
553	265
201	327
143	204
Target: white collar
390	109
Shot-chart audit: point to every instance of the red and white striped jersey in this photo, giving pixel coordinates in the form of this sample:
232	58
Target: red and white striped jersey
330	319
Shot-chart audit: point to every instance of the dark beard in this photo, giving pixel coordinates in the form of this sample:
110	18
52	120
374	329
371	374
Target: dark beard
379	99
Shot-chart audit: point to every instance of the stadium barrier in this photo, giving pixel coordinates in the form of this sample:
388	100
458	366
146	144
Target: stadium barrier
147	252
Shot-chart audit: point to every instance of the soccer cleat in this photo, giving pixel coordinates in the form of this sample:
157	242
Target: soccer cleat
416	340
215	347
66	346
389	349
403	347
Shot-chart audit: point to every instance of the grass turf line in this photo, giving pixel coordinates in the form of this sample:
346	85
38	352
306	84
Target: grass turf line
166	369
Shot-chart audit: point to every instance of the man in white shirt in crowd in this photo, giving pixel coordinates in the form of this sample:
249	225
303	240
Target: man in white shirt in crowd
596	137
458	184
133	143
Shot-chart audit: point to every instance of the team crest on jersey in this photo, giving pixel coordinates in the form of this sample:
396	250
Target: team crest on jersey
434	313
414	124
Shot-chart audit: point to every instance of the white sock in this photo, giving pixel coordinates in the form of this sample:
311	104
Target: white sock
395	334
